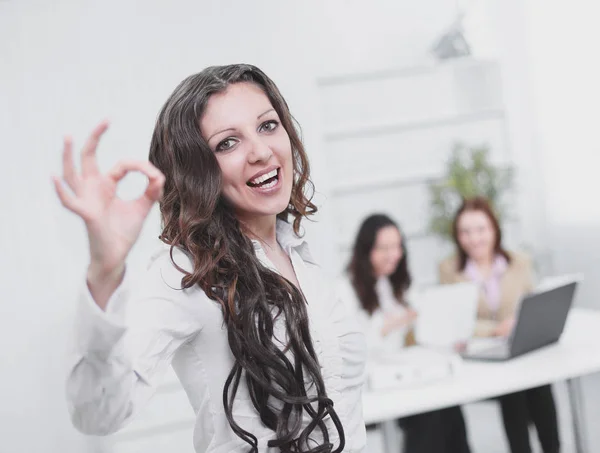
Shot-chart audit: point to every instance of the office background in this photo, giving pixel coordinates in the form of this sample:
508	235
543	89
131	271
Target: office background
379	116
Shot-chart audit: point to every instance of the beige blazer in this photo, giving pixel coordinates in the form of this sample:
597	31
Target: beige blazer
516	281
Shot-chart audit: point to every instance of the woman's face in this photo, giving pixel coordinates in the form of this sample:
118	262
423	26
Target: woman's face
476	235
253	151
386	252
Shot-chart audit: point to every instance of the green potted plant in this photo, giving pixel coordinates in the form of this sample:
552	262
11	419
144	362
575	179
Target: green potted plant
469	173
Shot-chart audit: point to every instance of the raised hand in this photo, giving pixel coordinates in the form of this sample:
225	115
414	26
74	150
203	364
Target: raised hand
113	225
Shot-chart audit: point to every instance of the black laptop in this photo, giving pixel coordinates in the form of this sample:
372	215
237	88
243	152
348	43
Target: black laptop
540	322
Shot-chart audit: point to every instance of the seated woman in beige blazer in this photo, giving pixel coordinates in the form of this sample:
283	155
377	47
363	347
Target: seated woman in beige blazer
503	277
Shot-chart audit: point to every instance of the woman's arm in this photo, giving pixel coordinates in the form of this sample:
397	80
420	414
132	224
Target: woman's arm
485	328
446	272
529	276
120	354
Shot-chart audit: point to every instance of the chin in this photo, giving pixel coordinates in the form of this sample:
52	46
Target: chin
278	208
479	254
271	209
389	272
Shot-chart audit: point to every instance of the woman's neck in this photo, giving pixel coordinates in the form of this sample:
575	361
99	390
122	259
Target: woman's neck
263	229
484	263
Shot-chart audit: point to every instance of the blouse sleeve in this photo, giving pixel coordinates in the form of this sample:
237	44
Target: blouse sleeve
445	272
119	355
371	325
485	328
529	273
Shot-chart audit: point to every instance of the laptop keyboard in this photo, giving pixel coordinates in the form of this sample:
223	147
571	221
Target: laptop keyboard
488	347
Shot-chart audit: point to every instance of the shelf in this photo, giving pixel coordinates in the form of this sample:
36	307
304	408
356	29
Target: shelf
406	71
360	131
367	185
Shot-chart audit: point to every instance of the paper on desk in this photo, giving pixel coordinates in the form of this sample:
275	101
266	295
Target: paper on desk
411	367
446	314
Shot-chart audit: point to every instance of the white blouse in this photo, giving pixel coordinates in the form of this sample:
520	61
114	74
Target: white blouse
372	325
122	353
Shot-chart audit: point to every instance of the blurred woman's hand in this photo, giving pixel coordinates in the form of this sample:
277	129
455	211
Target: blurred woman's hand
460	346
505	328
396	321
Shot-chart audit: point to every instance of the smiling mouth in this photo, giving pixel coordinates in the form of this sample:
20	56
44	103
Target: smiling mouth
265	181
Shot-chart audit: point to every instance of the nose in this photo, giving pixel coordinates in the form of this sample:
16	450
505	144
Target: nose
259	151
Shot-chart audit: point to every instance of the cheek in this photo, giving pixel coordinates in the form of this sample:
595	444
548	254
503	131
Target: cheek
391	257
399	255
375	259
232	169
464	240
229	188
282	147
285	159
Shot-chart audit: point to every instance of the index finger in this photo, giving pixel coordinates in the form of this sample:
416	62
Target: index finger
155	177
69	174
123	167
89	165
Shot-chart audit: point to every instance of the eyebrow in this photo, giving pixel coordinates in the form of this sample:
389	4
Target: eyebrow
264	113
232	129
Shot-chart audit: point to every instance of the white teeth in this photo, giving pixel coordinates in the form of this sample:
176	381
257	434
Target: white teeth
264	177
269	185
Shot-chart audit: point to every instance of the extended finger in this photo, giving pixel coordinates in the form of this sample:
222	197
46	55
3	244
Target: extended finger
156	182
67	199
123	167
69	174
89	165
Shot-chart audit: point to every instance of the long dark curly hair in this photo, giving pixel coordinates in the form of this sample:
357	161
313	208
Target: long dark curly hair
361	270
196	219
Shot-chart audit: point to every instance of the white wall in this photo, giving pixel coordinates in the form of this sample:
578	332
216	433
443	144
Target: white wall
358	36
547	50
565	75
498	29
566	87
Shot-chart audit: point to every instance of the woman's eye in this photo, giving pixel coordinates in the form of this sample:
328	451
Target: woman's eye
269	126
225	144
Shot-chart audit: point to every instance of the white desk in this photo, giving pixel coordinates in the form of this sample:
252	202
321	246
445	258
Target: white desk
576	355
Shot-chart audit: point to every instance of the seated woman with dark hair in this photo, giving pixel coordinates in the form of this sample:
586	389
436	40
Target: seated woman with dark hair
377	288
503	277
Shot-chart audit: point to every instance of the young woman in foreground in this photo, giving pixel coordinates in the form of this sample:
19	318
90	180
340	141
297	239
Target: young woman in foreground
270	360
